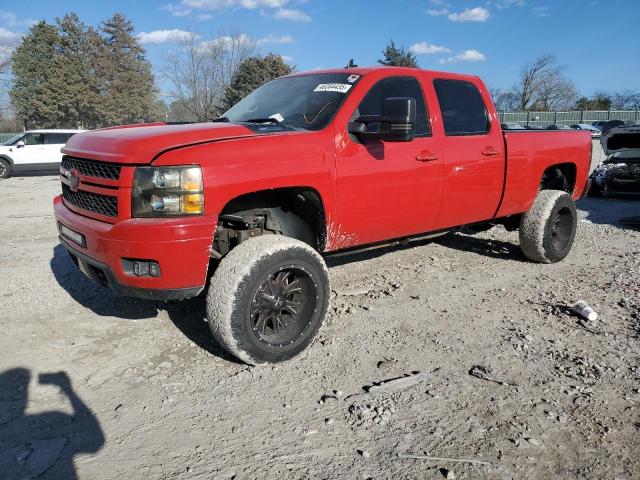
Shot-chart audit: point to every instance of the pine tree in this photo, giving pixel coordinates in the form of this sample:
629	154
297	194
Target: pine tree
127	84
397	57
253	73
77	94
34	63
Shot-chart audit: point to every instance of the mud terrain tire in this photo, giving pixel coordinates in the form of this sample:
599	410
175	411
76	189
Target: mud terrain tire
254	293
548	229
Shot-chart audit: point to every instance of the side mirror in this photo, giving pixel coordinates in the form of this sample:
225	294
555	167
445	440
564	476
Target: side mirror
398	121
19	144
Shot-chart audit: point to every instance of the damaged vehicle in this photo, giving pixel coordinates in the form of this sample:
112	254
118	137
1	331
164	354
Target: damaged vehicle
244	209
619	173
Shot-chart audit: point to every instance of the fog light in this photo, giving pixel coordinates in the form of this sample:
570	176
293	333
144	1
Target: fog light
143	268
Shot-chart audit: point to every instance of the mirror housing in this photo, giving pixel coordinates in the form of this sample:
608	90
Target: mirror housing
20	144
398	122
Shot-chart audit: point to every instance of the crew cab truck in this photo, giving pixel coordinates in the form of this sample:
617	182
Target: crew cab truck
246	206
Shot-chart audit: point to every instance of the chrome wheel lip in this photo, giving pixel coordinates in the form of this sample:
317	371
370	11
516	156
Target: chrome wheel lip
265	301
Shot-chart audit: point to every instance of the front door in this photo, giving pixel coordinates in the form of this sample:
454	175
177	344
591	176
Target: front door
32	150
387	190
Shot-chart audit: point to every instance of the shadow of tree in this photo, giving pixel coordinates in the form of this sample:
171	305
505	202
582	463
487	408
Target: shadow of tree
43	443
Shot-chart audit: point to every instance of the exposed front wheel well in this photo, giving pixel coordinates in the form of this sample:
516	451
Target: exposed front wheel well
561	176
295	212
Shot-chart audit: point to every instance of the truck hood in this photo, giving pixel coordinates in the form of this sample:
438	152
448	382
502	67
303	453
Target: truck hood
140	144
621	140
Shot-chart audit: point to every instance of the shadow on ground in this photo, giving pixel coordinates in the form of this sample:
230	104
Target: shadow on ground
188	316
43	444
621	212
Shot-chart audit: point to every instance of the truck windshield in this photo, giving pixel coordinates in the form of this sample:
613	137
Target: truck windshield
307	102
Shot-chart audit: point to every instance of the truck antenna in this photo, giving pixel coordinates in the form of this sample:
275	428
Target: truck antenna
351	64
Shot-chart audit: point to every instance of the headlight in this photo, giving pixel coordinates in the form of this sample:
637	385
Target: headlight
167	192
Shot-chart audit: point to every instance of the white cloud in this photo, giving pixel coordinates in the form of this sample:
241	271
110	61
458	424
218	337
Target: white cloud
274	40
466	56
286	58
228	41
427	48
477	14
9	39
176	10
293	15
503	4
164	36
11	20
222	4
437	12
541	12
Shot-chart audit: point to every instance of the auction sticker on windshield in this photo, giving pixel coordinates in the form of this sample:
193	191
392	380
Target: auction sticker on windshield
333	87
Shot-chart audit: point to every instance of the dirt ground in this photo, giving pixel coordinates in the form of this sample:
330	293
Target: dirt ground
97	386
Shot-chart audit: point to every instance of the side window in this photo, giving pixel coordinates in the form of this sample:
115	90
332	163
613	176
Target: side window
34	139
463	111
56	138
395	87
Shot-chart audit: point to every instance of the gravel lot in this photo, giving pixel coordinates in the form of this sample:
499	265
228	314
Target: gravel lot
143	392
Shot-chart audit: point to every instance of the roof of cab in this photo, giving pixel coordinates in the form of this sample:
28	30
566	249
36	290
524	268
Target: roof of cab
54	130
395	70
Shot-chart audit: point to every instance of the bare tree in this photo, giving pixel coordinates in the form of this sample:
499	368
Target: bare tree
200	72
505	99
625	99
543	86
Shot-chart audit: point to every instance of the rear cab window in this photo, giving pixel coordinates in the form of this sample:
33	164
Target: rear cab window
463	110
388	87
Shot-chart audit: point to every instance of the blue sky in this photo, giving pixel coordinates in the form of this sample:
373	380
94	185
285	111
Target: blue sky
596	40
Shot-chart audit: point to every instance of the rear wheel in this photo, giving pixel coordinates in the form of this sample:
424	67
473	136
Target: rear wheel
548	229
268	298
5	168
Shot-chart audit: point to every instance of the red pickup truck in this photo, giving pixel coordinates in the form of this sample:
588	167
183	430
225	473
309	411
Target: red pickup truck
308	164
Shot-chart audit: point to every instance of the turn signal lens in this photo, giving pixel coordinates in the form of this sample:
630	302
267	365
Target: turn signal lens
192	204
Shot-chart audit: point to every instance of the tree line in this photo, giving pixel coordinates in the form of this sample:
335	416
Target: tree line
69	74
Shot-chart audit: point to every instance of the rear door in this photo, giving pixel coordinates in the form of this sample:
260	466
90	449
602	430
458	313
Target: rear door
474	156
54	141
387	189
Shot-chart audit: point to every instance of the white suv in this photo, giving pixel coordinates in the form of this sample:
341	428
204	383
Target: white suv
33	150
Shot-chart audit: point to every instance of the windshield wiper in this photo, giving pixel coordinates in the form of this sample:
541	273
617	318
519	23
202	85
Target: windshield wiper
275	121
220	119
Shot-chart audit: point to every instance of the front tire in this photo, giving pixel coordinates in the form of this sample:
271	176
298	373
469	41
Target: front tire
268	298
5	169
548	229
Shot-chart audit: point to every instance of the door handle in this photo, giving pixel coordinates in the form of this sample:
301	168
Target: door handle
426	157
490	152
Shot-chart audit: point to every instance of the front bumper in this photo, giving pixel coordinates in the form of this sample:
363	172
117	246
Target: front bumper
181	246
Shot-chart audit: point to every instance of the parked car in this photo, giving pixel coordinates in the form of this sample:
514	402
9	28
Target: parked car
512	126
619	173
535	127
307	165
558	126
605	125
33	150
595	131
